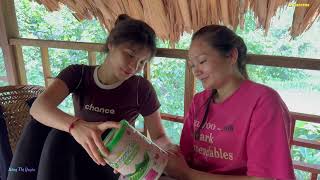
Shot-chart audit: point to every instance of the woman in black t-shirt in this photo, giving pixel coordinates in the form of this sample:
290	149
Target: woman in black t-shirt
102	96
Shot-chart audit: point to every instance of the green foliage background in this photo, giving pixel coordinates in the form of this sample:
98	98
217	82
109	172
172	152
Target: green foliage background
168	75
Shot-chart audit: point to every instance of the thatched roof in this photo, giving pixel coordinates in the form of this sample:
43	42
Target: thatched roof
170	18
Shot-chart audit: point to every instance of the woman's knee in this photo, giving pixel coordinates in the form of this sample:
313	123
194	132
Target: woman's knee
59	143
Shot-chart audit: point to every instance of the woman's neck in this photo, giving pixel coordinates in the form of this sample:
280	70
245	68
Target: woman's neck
106	75
228	88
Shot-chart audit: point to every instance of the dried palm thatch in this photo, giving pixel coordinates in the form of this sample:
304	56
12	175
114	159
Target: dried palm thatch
170	18
304	17
134	8
185	13
229	12
244	5
214	10
155	15
265	10
175	20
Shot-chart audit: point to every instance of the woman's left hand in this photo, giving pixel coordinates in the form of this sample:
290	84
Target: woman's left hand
177	166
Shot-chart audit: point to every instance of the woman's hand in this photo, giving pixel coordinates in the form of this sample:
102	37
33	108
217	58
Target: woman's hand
172	148
88	134
177	167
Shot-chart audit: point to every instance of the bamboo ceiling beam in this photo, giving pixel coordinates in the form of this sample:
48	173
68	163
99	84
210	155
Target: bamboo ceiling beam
189	90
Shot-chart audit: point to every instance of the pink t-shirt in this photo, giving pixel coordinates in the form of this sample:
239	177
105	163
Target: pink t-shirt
247	134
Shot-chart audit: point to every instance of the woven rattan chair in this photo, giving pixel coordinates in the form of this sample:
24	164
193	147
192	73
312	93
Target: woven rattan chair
15	108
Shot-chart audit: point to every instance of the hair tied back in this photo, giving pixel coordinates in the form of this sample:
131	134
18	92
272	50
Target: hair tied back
121	18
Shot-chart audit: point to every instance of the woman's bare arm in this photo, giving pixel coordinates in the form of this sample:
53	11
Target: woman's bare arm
45	110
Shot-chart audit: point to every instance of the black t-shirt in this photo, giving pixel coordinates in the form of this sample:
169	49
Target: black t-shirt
94	101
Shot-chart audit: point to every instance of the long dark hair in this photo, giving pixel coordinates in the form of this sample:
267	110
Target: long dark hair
223	40
205	117
129	30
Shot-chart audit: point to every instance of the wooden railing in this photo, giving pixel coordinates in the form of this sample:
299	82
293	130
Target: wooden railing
312	144
92	48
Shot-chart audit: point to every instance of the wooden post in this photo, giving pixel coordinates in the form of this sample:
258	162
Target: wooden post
146	71
146	74
314	176
18	58
189	88
293	125
92	58
45	64
9	29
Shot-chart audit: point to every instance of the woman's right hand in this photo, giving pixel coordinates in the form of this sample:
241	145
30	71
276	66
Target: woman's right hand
88	134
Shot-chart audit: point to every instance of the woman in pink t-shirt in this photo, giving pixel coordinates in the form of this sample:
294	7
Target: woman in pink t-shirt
235	128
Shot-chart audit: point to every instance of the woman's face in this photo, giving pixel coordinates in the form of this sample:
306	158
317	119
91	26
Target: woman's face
127	59
208	65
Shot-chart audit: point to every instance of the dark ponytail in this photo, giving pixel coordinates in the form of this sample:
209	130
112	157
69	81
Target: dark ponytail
205	117
121	18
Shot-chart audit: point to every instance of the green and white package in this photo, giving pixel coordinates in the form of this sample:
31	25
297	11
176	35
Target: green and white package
133	155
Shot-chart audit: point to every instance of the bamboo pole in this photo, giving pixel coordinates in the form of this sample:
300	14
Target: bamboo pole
9	29
189	88
45	64
92	58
